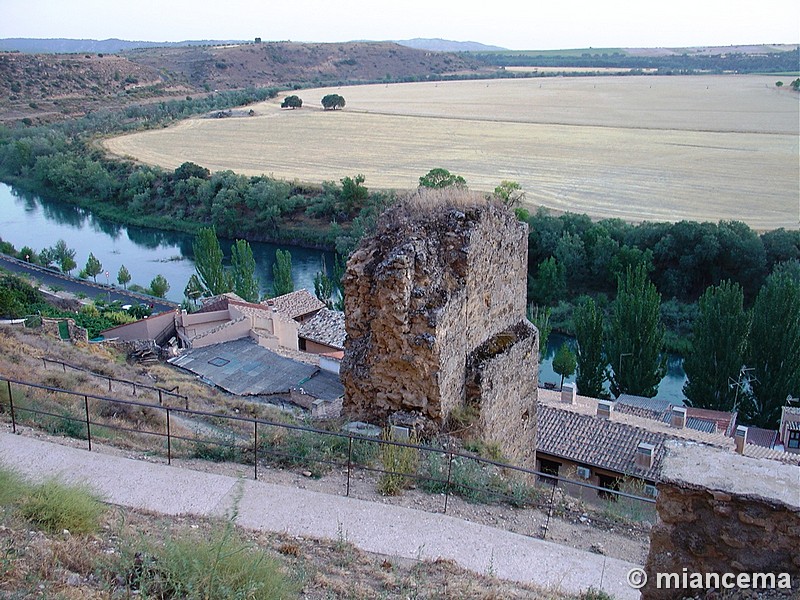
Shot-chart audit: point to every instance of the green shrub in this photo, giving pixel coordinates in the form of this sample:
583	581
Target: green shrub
55	506
400	462
308	450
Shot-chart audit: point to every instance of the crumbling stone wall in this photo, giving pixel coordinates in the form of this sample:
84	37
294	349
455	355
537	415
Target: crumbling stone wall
76	332
421	296
720	512
503	384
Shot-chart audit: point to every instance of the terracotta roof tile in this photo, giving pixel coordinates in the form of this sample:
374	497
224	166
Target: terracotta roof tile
326	327
295	304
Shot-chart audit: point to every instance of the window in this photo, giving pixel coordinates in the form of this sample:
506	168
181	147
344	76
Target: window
548	467
794	440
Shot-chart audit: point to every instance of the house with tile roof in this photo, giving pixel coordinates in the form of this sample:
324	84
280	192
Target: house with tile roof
324	333
300	305
603	442
789	430
227	317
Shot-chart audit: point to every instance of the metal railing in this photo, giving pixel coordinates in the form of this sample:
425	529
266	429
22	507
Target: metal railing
161	392
350	452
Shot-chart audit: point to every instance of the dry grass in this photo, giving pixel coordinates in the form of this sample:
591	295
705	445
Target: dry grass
666	148
102	565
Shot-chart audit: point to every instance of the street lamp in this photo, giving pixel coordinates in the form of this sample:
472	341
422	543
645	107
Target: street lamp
108	285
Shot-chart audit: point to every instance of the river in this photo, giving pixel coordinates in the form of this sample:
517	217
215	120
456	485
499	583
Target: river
27	220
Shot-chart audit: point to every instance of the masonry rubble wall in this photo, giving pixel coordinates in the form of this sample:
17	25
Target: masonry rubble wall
76	332
502	378
421	296
720	512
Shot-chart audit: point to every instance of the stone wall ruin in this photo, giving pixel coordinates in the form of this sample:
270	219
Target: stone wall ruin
435	317
720	512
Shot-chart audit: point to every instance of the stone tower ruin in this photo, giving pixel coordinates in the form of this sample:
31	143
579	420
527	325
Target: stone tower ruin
435	317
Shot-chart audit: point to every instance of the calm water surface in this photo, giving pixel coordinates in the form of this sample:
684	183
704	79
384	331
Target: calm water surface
27	220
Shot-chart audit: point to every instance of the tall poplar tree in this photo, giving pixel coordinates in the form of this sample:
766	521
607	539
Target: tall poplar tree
208	262
719	341
282	273
774	350
636	336
243	272
591	361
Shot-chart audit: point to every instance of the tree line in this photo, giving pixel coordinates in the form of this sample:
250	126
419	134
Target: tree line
744	360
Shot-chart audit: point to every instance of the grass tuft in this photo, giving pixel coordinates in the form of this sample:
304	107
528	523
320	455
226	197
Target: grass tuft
222	566
54	506
400	462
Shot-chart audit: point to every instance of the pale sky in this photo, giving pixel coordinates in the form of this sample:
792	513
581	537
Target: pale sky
519	25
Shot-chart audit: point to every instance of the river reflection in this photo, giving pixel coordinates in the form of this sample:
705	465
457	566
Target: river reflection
27	220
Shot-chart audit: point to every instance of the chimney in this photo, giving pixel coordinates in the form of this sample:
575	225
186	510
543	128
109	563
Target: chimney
644	455
678	417
740	437
604	409
568	393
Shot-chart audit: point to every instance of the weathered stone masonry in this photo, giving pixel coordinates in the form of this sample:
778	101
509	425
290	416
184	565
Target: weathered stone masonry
721	512
435	317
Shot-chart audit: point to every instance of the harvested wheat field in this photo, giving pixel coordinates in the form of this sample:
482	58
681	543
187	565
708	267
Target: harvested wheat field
638	148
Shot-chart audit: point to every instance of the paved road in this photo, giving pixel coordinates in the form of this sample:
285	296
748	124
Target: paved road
53	278
380	528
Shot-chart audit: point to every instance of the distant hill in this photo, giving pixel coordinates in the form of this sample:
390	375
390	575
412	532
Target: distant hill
110	46
440	45
45	87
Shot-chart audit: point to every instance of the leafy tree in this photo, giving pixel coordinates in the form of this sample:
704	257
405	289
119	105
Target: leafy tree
550	286
294	102
332	102
194	288
774	350
353	194
441	178
591	362
28	254
636	336
719	341
243	272
189	169
64	256
208	263
123	277
509	193
564	362
93	267
282	273
159	286
540	317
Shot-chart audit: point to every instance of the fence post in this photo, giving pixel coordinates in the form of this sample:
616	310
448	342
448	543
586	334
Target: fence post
64	367
349	461
550	510
447	485
88	427
160	402
11	404
169	442
134	390
109	385
44	362
255	450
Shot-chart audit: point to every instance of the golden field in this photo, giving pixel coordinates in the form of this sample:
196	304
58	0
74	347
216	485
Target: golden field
638	148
